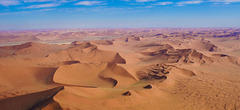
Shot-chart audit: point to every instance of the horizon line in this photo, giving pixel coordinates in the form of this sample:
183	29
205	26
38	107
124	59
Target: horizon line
109	28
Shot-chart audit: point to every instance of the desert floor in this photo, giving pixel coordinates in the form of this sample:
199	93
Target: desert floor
183	70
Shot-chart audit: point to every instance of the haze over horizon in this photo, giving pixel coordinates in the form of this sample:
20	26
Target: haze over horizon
61	14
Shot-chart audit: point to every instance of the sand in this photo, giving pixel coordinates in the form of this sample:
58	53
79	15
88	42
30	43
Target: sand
135	69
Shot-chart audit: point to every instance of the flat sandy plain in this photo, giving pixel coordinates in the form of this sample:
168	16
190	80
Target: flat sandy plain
120	69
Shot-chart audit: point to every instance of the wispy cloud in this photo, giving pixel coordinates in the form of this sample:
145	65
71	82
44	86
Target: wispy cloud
65	1
145	0
224	1
26	1
25	12
9	2
89	3
44	5
56	1
163	3
189	2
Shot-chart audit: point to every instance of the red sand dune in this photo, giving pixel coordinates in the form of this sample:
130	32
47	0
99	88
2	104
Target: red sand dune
144	69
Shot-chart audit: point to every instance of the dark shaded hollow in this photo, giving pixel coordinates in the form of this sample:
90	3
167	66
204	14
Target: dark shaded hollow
128	93
148	87
70	62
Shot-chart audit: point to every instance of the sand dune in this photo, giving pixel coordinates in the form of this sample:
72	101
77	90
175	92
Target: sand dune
103	42
93	75
20	77
119	74
172	55
223	58
23	87
28	101
85	53
121	69
31	49
202	44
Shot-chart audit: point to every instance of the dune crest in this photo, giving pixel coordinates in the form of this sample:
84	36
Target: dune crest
93	75
86	53
161	71
169	54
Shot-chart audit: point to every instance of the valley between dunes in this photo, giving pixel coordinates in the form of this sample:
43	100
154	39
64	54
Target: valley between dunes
124	73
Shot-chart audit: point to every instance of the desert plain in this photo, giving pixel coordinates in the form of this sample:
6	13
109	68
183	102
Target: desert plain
120	69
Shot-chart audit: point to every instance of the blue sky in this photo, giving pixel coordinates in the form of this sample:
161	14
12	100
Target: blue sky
62	14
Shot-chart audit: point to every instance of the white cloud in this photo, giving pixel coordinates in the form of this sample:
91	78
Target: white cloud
9	2
89	3
65	1
25	12
58	1
163	3
189	2
37	0
145	0
224	1
44	5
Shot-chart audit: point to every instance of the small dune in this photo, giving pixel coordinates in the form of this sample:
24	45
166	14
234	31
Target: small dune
171	55
31	49
223	58
85	53
104	42
154	72
161	72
